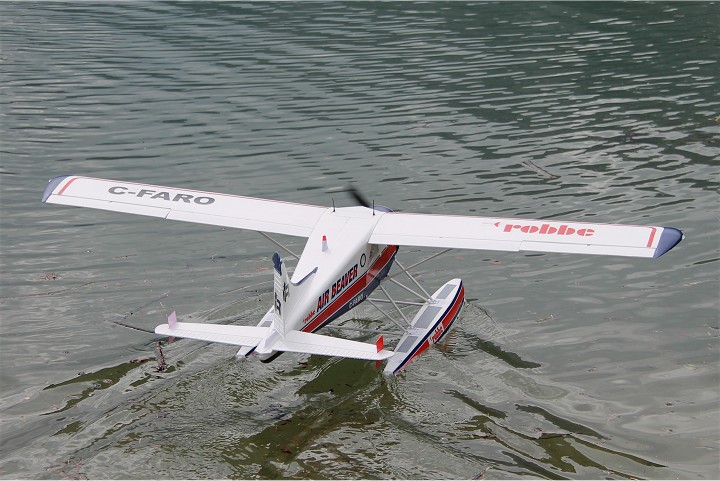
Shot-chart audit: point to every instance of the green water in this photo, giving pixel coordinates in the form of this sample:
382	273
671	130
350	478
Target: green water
561	367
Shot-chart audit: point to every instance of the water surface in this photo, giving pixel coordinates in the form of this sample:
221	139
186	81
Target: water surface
562	366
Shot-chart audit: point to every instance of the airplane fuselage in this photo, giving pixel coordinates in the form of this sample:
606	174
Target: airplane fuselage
338	270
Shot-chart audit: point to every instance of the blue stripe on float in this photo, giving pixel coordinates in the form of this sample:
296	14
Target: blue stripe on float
429	332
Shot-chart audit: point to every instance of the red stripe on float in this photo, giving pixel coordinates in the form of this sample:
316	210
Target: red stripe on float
450	314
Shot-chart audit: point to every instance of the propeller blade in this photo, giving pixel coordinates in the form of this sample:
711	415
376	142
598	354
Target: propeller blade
359	198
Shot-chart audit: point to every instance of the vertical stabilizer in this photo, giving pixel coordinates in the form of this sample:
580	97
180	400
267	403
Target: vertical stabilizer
282	291
172	320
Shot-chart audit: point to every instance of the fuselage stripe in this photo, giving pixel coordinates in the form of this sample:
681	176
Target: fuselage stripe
357	287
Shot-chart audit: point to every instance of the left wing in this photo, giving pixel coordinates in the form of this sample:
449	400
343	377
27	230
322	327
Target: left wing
184	204
463	232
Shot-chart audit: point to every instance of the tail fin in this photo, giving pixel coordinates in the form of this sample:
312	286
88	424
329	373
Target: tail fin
282	290
287	293
380	345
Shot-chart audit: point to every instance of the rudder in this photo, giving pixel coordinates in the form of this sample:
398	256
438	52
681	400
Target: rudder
282	290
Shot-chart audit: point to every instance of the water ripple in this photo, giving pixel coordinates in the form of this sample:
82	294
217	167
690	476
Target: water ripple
600	112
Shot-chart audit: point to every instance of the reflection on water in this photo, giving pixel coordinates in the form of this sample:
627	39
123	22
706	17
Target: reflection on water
303	435
296	419
561	366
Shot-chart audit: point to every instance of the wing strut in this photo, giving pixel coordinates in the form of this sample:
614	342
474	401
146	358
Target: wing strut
372	303
427	294
286	249
397	304
437	254
397	308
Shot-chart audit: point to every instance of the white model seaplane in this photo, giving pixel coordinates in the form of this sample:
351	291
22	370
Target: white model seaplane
349	251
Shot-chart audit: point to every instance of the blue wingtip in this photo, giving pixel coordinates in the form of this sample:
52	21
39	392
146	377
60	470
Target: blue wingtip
52	185
669	238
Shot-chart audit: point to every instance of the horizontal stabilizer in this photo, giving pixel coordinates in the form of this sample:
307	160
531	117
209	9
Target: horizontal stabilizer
293	341
224	334
308	343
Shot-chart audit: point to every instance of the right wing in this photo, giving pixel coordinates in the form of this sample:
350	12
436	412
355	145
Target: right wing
489	233
185	204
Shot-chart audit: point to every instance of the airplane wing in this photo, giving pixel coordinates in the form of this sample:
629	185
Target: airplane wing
184	204
463	232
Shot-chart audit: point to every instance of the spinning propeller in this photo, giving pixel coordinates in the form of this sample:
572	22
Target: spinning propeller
359	197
